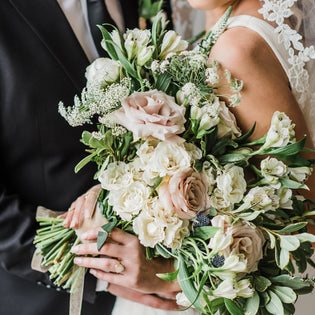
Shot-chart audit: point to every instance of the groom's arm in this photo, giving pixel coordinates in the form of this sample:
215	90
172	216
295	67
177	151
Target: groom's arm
17	230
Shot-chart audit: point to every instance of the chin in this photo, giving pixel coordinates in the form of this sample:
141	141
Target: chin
204	4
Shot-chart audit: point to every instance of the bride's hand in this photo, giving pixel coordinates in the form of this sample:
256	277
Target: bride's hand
83	207
143	298
125	264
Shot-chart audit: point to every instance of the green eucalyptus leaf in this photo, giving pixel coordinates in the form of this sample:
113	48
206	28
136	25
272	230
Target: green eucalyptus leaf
289	242
294	283
292	227
86	136
275	305
272	240
264	297
252	304
205	232
286	294
289	309
305	237
101	239
261	283
109	226
284	258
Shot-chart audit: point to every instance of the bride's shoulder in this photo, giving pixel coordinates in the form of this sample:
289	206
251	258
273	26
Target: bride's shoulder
245	53
240	44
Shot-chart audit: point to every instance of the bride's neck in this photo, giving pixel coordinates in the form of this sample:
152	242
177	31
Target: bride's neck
249	7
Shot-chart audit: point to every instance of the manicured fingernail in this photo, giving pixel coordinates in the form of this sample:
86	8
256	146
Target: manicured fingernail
77	260
74	223
75	249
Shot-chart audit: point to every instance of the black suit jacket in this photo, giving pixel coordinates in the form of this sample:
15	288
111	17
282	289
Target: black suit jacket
41	63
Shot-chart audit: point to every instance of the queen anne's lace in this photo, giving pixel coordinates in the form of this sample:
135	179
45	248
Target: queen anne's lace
277	11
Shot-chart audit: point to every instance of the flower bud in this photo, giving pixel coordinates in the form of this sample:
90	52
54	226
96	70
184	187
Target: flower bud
172	42
145	55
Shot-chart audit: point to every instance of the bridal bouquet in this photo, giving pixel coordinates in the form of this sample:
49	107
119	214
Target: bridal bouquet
176	171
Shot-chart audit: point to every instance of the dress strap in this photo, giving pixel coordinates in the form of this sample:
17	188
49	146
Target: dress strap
267	32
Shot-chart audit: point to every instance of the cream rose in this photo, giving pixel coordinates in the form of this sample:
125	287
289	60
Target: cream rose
128	201
103	70
168	158
152	113
232	183
116	176
185	192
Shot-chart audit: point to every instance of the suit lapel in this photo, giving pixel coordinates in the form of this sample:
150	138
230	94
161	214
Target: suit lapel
49	23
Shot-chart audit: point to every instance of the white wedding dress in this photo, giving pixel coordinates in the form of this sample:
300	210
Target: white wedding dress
281	44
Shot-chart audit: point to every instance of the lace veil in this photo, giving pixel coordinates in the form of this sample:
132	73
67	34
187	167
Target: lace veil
295	25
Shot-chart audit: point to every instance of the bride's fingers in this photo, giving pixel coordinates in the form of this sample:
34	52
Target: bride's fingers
77	217
69	215
90	201
91	234
146	299
108	249
105	264
122	237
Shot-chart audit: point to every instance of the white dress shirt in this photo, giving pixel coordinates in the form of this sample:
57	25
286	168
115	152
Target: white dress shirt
76	14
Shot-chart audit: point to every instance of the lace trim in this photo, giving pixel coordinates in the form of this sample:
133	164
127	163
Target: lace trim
277	11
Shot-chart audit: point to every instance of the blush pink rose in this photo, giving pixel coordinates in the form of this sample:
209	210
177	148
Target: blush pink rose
185	192
152	113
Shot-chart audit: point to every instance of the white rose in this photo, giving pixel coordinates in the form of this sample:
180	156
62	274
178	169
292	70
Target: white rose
146	150
150	231
103	70
175	228
116	176
148	225
219	202
172	43
128	201
168	158
232	183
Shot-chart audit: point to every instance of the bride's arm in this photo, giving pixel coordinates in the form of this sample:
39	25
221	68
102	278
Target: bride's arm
266	87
